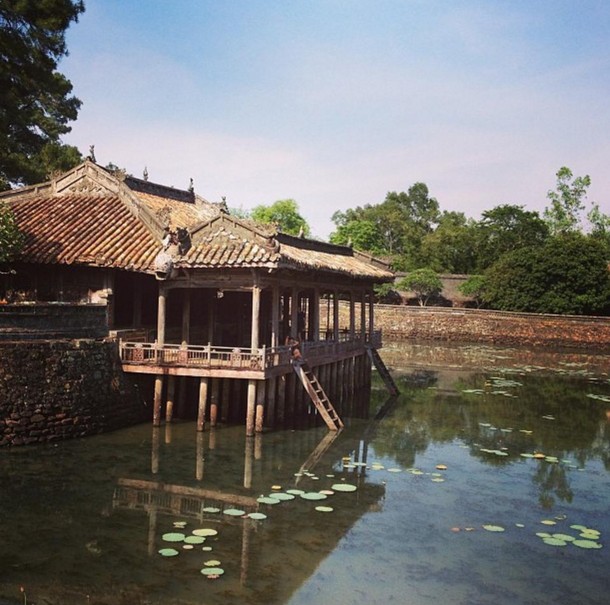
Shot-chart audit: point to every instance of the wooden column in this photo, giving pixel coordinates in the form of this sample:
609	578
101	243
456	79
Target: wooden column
157	401
271	395
315	315
294	313
186	316
335	315
363	316
371	315
275	316
214	400
251	408
169	404
162	301
154	456
200	461
352	315
260	406
203	396
256	311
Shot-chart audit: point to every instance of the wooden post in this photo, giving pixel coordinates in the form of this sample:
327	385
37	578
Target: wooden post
248	458
214	399
371	315
256	311
199	463
294	313
352	316
275	316
203	396
271	396
315	315
260	406
162	301
363	316
169	405
251	408
335	315
154	461
186	316
157	400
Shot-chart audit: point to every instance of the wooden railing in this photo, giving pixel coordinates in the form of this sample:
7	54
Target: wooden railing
208	356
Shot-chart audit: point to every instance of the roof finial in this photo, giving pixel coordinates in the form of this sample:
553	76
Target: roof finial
92	153
145	173
301	232
191	186
223	205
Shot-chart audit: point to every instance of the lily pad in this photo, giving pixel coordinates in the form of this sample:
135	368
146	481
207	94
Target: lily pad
548	522
234	512
325	509
296	492
554	541
194	539
257	516
267	500
212	571
206	548
343	487
173	537
283	496
169	552
210	509
493	528
586	544
313	496
212	563
205	531
564	537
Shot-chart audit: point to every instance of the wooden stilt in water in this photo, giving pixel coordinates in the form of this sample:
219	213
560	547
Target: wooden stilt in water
199	463
260	406
203	396
169	404
251	408
157	401
214	399
281	401
271	399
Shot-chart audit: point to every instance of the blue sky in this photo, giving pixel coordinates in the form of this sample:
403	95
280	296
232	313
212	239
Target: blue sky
336	102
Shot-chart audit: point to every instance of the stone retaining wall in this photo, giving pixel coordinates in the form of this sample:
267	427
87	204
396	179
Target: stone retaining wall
53	390
492	327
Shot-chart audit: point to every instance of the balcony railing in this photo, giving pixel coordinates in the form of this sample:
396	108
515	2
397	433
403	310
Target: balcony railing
234	358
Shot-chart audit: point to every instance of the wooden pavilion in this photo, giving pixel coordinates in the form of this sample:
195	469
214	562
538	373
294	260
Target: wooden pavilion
199	300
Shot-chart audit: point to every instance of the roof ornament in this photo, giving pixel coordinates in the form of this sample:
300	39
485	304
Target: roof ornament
91	155
191	186
301	232
145	173
350	244
223	205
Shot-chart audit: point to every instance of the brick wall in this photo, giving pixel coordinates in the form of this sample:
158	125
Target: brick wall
400	322
53	390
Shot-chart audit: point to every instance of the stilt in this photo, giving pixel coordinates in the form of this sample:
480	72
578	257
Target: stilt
271	398
281	401
157	400
214	399
203	396
199	463
251	408
169	405
260	406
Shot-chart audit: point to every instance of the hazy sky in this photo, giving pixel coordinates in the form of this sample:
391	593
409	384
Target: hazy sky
336	102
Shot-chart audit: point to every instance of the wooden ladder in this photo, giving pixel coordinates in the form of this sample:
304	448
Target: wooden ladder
383	370
318	396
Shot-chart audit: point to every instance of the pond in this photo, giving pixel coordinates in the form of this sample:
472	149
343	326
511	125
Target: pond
486	481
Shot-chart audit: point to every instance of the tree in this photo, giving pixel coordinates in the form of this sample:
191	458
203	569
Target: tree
567	202
362	235
567	275
284	214
424	283
475	287
35	99
11	239
505	228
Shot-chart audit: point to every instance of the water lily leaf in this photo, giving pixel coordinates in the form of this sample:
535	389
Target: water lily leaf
194	539
206	548
173	537
234	512
325	509
437	480
543	534
586	544
282	496
296	492
394	470
169	552
554	541
313	496
578	527
212	563
210	509
493	528
267	500
548	522
204	531
212	571
343	487
257	516
564	537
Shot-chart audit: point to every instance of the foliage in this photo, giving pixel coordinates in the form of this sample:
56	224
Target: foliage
568	274
425	283
475	287
452	246
284	214
387	294
507	227
11	239
35	99
567	202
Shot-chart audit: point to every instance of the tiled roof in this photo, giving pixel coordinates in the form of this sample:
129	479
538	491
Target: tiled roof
84	229
90	216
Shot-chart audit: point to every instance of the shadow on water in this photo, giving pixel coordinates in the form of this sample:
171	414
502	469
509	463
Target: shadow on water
83	521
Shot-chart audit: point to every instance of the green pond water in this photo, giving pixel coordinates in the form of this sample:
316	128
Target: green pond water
448	506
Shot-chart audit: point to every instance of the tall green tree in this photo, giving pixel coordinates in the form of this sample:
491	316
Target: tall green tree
36	101
567	202
507	227
567	275
11	239
424	283
284	214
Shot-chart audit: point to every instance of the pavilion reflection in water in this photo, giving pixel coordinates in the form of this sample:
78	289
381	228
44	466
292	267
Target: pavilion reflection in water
165	502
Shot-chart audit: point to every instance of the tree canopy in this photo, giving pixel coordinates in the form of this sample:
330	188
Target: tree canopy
424	283
36	101
11	239
284	214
